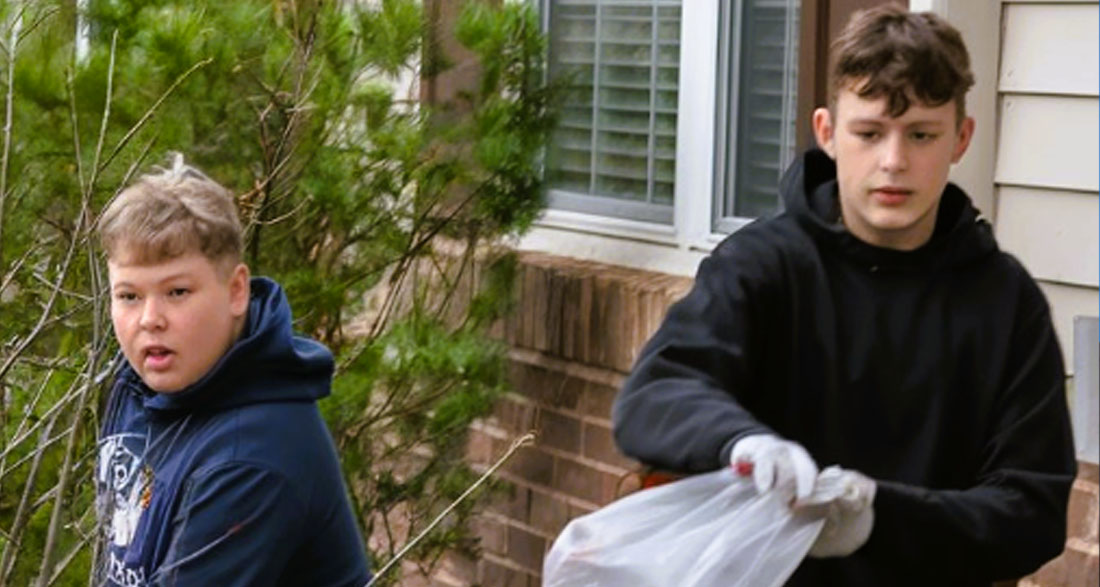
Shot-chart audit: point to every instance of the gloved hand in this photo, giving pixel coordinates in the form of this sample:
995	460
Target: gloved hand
848	498
777	463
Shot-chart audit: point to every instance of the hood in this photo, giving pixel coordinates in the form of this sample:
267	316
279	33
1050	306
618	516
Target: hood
266	364
809	192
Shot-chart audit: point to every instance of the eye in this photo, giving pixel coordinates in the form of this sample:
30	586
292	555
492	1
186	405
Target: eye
923	137
125	296
178	292
867	135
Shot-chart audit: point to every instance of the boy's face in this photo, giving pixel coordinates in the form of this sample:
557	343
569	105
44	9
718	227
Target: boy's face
891	172
176	318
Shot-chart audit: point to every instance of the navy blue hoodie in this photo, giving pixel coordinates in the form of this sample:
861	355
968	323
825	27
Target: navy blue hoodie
233	480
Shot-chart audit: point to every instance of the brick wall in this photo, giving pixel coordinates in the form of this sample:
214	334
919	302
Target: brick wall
573	337
1079	563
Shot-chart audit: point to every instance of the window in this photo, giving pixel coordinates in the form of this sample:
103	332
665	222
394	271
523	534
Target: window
757	69
681	113
614	151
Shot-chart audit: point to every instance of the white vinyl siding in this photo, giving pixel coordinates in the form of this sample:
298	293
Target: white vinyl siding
1049	141
1047	181
1061	31
1056	233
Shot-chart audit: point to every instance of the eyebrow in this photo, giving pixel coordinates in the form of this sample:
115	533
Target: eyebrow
177	275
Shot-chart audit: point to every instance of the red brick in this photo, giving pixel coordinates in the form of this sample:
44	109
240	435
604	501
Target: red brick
549	513
545	386
496	575
584	315
554	311
538	303
576	511
1088	472
565	395
1082	515
492	534
456	569
597	401
532	465
479	447
1084	568
514	414
584	482
599	445
525	548
514	502
1051	574
559	431
570	320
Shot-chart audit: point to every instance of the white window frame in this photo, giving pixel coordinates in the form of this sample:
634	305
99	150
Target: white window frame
677	248
690	235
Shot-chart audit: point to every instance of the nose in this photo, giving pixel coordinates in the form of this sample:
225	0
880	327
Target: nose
895	157
152	318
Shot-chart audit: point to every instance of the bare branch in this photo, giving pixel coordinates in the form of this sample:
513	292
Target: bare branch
9	100
106	112
23	512
152	109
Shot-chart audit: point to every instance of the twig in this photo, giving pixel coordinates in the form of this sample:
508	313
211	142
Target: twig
68	559
22	513
62	485
516	445
106	111
9	99
149	113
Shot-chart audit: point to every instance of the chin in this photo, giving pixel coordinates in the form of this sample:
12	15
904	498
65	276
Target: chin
893	221
162	384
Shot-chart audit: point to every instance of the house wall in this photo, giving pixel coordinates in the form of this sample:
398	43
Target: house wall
574	336
1046	201
1046	175
1031	169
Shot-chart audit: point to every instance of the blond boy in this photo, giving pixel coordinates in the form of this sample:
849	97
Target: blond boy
215	467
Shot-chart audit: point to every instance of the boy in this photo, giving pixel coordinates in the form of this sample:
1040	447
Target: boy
215	467
875	325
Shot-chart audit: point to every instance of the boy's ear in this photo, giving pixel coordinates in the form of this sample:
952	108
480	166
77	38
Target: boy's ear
824	131
240	290
962	139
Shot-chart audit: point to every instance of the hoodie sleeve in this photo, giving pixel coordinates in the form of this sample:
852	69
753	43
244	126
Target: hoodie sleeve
1014	517
679	409
231	529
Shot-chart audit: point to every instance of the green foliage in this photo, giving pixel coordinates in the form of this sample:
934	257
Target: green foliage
382	217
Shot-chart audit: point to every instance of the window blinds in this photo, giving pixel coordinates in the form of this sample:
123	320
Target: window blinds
760	69
614	150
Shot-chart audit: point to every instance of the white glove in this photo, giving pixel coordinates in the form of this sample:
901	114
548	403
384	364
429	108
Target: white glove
777	463
848	498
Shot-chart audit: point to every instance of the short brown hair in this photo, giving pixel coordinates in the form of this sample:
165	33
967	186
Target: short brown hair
171	212
901	55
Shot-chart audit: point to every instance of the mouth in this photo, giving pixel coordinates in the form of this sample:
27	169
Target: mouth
157	358
891	195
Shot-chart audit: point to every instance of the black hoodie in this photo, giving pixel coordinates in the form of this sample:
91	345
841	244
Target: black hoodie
935	371
233	481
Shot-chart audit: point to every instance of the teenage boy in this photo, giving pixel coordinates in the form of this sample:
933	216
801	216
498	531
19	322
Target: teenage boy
215	467
874	325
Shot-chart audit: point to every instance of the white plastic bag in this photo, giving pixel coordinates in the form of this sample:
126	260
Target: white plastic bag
710	530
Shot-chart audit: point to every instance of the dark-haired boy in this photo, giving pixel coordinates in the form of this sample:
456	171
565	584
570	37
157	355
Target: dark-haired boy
875	325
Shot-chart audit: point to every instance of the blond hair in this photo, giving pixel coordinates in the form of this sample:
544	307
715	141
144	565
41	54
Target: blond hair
171	212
